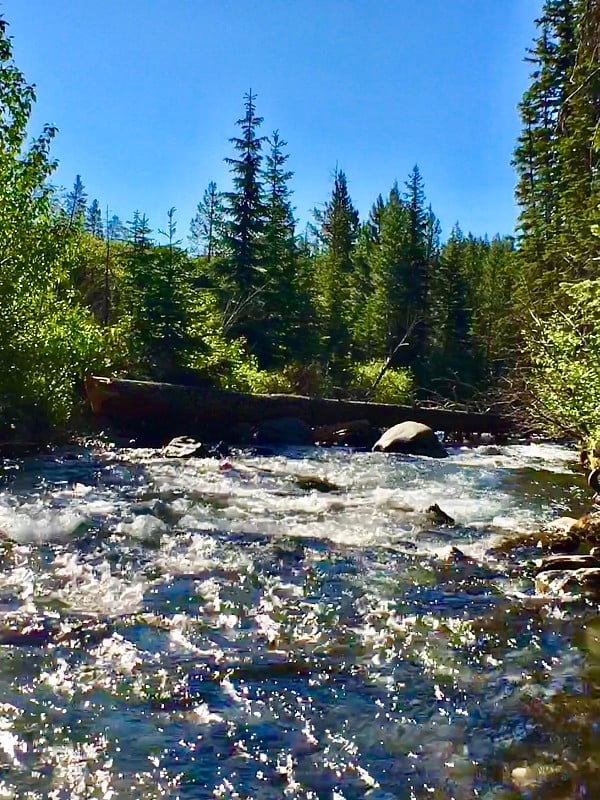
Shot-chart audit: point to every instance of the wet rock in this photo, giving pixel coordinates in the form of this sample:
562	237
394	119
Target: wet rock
561	524
286	430
456	556
356	433
588	527
557	541
411	438
580	581
184	447
436	516
313	483
538	777
567	562
547	582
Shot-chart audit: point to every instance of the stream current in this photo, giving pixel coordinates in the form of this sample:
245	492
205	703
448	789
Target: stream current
199	629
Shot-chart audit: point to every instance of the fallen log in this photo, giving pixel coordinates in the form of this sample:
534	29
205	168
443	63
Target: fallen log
171	409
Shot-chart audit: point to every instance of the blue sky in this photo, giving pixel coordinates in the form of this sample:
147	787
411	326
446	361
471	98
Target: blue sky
145	94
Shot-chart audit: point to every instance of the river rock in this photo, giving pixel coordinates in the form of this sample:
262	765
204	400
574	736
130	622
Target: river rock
356	433
436	516
588	527
557	541
557	581
183	447
311	483
286	430
413	438
566	562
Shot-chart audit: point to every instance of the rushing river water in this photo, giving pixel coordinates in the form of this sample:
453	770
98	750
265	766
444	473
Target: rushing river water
184	629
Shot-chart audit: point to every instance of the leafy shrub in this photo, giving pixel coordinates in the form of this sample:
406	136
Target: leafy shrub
565	352
396	385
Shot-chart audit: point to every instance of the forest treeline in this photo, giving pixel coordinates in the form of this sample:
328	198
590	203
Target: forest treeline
244	300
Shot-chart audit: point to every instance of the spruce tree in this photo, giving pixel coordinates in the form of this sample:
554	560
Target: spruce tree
338	229
206	226
245	207
76	204
416	257
544	156
93	222
391	275
282	302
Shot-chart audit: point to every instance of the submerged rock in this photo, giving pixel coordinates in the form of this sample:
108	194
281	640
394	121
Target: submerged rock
412	438
313	483
286	430
436	516
356	433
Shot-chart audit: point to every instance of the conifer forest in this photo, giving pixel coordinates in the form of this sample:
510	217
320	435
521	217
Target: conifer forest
243	299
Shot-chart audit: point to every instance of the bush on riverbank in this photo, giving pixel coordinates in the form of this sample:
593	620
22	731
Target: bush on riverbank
395	386
565	357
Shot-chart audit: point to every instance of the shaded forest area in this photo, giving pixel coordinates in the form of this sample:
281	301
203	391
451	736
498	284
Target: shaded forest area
246	301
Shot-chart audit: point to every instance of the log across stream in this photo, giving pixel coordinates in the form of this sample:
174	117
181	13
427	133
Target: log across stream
173	409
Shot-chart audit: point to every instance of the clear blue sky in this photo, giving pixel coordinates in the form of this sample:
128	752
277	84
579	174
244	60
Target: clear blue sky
145	94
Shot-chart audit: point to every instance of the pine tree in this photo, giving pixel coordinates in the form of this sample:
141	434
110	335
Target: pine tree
578	141
454	355
115	229
207	224
93	223
391	275
282	301
416	257
245	206
338	229
76	204
540	157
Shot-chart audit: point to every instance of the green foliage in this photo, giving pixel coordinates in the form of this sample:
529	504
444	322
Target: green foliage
338	229
565	352
207	225
396	385
46	340
245	207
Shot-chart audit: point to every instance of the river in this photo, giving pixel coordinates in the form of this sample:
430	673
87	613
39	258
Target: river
200	629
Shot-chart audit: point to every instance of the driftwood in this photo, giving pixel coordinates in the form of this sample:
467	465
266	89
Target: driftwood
165	408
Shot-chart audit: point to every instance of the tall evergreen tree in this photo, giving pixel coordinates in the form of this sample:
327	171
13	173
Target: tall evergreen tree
76	204
416	257
207	224
555	171
93	222
454	356
338	229
389	303
283	301
245	206
116	231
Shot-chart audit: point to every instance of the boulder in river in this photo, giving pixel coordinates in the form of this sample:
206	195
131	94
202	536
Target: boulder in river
284	430
567	562
436	516
413	438
550	541
355	433
588	527
579	581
